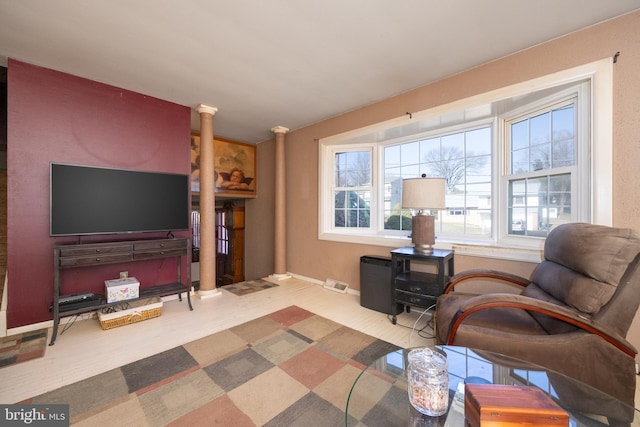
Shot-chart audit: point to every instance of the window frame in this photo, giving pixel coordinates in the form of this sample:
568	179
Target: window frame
600	181
461	128
580	172
327	191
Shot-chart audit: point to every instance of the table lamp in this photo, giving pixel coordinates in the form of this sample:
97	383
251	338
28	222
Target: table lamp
424	195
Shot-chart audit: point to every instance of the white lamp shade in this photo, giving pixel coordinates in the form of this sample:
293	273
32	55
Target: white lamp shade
423	193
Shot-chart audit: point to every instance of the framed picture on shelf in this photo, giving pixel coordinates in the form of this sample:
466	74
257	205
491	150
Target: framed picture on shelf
234	167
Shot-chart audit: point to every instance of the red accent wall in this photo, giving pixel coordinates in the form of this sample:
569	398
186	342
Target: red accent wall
57	117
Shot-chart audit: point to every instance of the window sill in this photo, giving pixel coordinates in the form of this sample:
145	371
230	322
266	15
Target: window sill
473	249
499	252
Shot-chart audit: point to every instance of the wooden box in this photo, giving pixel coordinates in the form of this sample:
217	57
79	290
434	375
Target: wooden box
493	405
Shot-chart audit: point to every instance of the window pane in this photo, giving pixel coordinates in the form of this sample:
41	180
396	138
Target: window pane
479	169
448	163
520	161
536	205
563	153
464	160
340	169
563	122
340	203
559	200
477	221
516	207
394	217
353	169
352	209
479	142
520	135
392	156
550	143
410	153
540	157
397	220
393	189
411	171
453	146
540	129
359	167
428	146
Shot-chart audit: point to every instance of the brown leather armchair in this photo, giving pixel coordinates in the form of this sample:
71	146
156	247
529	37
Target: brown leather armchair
572	316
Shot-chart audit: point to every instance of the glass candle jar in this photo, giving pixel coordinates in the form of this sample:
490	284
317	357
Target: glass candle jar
428	385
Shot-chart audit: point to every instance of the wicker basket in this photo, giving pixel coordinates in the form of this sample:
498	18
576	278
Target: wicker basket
138	311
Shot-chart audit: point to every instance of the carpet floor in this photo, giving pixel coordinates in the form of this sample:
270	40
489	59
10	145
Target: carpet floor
289	368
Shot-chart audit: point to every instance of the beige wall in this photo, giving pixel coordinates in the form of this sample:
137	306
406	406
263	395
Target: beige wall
310	257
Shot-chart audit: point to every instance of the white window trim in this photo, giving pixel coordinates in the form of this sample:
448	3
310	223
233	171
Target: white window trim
601	145
329	195
580	172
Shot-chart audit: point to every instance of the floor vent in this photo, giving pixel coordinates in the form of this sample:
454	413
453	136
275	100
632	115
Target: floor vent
336	286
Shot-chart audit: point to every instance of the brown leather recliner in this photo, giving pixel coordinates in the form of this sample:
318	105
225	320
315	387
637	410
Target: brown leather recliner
572	316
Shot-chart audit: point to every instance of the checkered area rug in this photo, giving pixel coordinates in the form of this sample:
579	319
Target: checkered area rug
289	368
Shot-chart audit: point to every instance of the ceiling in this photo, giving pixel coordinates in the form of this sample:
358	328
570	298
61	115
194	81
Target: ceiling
285	63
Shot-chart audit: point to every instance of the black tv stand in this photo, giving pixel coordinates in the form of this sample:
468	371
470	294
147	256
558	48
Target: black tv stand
93	254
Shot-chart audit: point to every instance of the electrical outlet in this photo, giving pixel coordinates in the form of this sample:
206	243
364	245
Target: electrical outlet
124	274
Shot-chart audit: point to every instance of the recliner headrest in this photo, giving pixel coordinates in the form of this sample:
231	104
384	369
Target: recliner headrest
600	252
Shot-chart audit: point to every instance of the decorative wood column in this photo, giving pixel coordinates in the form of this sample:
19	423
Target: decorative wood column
280	226
207	205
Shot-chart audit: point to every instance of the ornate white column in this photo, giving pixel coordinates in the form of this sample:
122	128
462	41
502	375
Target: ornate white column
280	226
207	205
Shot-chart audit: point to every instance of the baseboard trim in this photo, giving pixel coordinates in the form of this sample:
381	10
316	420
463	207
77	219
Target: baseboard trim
320	282
278	277
204	295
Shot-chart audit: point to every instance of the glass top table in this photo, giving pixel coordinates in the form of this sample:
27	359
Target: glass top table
379	396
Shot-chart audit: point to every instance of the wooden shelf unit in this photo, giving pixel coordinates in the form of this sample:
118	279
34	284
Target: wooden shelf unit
94	254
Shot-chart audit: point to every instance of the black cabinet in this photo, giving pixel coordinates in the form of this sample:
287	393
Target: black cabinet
376	291
419	283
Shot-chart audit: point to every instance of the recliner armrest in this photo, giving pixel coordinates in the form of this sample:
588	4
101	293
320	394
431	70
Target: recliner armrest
482	302
486	274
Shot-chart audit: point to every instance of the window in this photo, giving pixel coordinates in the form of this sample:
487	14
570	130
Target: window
463	158
348	190
517	162
352	189
222	233
542	147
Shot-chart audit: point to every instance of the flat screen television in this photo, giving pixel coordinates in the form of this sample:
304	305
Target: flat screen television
88	200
